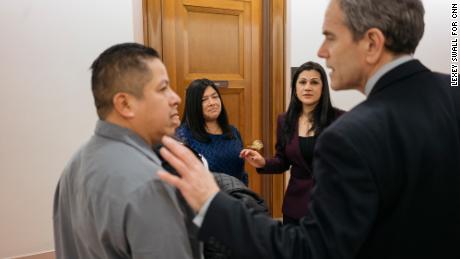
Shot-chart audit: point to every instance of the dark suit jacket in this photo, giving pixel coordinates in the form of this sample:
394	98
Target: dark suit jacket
387	181
297	196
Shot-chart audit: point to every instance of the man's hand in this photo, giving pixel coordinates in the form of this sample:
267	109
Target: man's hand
196	183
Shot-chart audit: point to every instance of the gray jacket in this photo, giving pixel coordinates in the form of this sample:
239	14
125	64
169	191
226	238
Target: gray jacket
109	202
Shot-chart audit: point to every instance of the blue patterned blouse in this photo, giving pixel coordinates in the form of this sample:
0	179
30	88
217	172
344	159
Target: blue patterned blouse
222	154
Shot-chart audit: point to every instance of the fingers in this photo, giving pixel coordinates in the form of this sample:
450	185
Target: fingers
170	178
244	153
247	152
251	156
180	184
179	165
254	156
179	151
196	183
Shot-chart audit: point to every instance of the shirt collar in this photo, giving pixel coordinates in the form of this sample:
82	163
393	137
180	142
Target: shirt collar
383	70
127	136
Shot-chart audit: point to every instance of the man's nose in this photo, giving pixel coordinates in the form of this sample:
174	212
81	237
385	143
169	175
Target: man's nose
322	53
175	99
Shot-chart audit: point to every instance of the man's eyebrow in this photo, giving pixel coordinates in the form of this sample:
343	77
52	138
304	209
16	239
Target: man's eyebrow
164	82
327	33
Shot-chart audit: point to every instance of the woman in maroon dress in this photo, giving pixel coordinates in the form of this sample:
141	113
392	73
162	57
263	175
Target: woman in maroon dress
309	113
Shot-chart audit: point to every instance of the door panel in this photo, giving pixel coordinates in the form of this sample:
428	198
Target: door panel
222	42
234	102
218	40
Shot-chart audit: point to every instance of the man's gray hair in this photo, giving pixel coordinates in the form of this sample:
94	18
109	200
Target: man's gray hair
401	21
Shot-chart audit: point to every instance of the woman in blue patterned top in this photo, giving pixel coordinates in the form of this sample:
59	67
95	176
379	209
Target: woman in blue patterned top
206	129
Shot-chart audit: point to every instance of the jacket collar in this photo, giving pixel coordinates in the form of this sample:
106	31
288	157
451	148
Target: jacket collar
397	74
383	70
127	136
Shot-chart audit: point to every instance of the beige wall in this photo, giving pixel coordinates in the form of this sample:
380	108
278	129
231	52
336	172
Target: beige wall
137	21
46	49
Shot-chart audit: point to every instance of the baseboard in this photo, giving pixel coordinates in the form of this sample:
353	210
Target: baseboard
42	255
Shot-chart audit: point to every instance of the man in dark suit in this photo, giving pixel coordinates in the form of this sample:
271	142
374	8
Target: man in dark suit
387	172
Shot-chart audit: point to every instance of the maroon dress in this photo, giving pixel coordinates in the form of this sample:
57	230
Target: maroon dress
297	196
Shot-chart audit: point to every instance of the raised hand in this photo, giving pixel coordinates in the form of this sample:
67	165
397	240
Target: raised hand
195	183
253	157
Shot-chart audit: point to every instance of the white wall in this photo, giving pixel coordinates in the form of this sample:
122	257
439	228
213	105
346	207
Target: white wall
46	107
304	31
138	21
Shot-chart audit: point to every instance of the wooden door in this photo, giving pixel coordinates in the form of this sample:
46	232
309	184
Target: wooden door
218	40
221	40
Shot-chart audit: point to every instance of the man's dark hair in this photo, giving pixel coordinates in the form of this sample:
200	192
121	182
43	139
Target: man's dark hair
120	68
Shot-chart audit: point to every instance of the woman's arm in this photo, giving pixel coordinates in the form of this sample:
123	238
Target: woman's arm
278	163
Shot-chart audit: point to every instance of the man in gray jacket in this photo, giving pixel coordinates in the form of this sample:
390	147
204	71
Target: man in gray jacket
109	202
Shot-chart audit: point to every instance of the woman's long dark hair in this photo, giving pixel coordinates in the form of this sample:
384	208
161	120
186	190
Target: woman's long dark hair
323	114
193	116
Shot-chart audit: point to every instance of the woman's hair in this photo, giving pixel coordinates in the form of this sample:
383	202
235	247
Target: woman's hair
193	116
323	114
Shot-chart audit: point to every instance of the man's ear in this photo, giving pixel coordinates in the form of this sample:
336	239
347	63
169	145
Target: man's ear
124	104
374	41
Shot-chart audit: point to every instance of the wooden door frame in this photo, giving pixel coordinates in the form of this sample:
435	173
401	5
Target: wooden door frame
273	80
151	18
273	101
